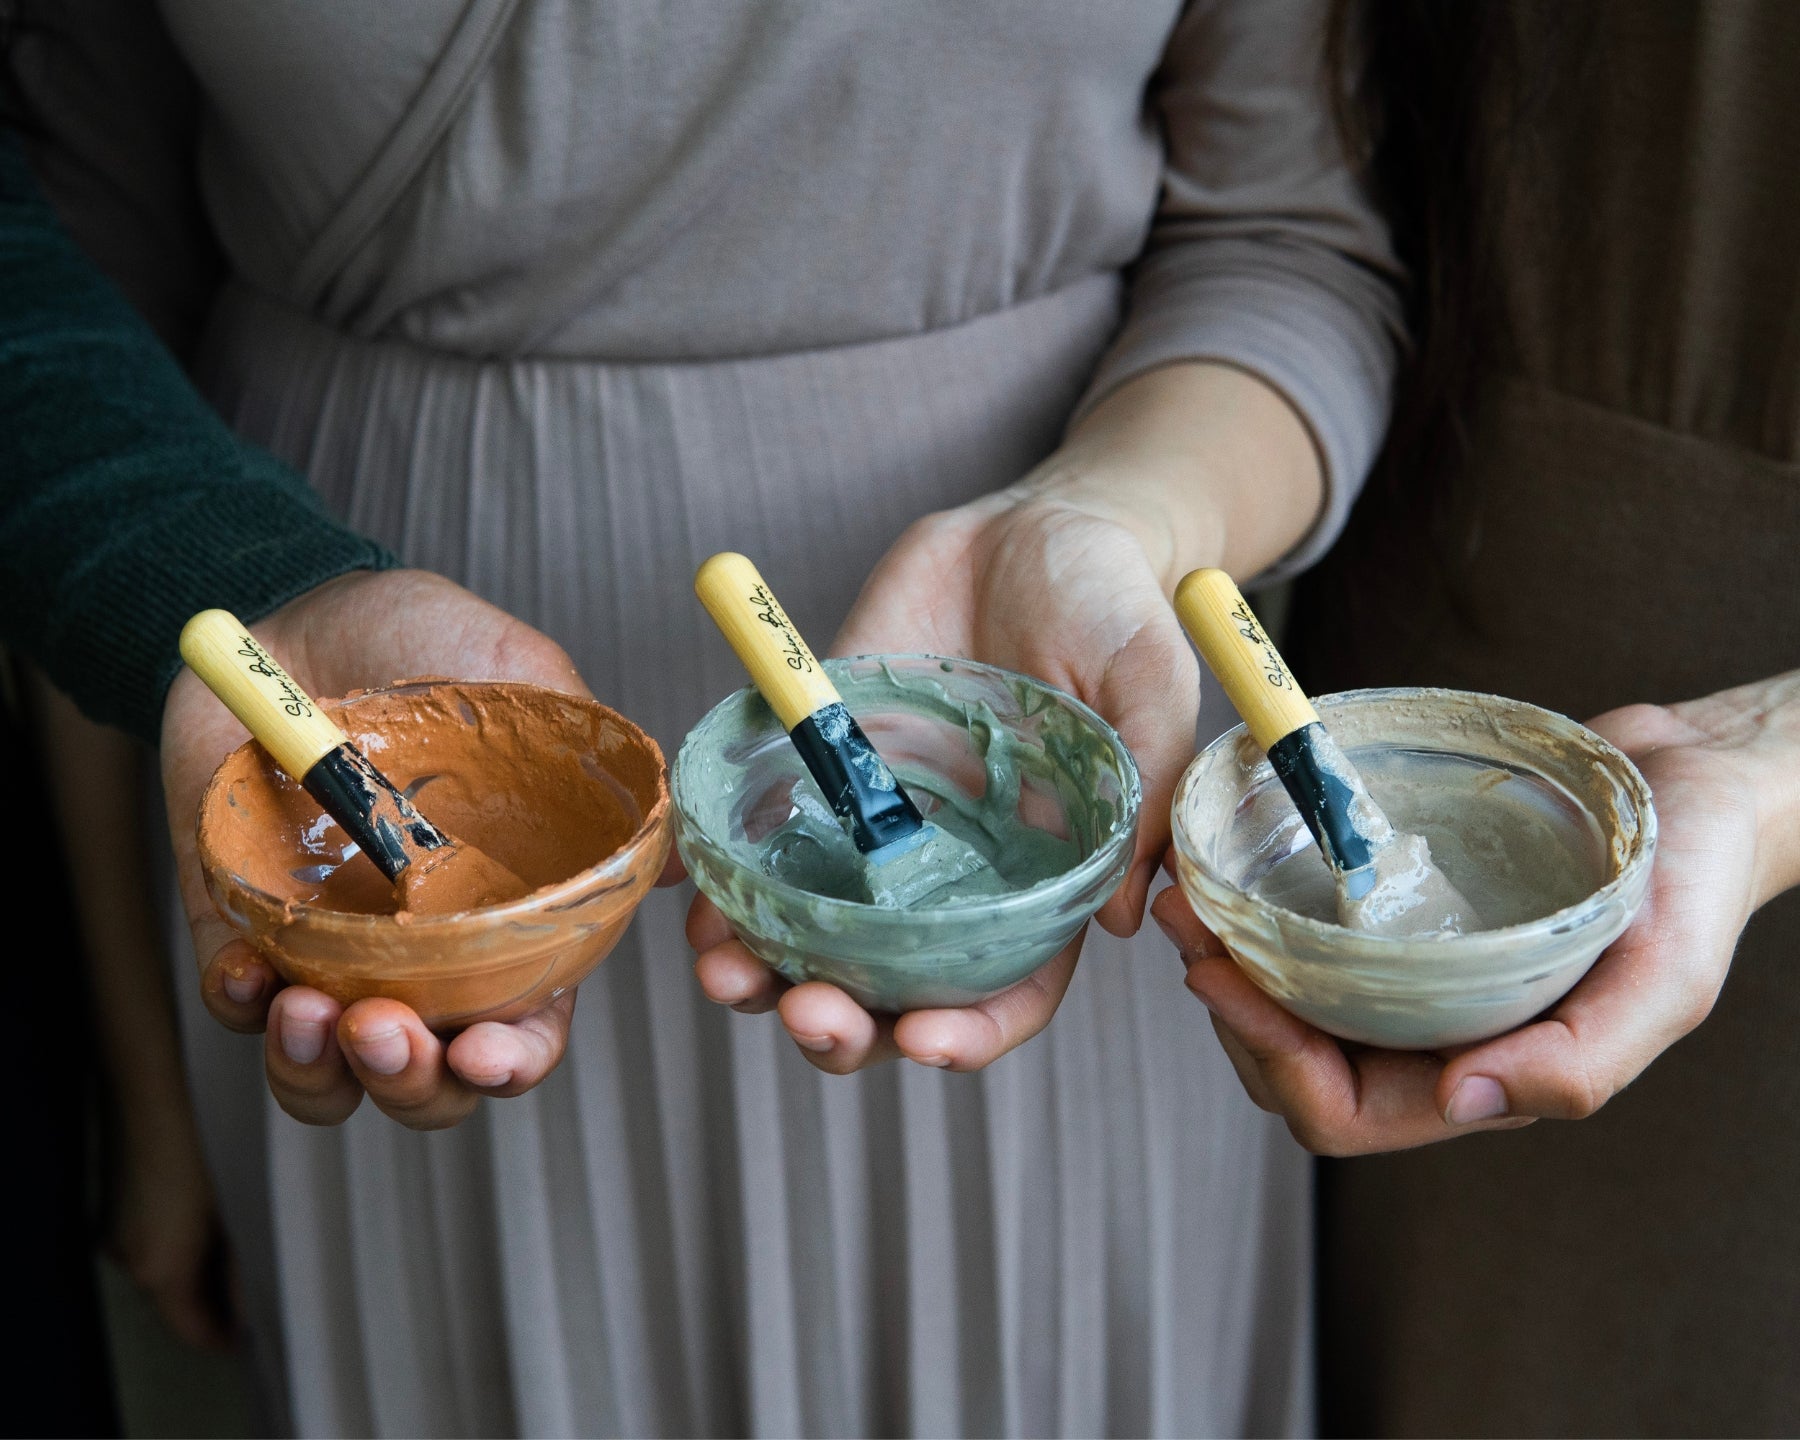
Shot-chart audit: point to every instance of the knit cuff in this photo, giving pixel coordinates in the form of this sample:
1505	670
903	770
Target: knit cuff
247	546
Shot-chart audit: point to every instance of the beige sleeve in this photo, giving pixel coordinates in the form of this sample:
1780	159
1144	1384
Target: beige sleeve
1265	252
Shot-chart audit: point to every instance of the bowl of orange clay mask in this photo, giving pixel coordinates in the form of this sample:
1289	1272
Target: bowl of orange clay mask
568	794
1030	777
1546	829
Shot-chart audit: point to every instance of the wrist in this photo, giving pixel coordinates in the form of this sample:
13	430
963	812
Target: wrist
1202	463
1173	539
1757	727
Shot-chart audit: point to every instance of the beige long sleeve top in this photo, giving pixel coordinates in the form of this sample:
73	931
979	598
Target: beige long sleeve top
665	180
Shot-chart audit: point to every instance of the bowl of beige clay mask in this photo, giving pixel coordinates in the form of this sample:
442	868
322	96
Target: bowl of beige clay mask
1544	827
1029	776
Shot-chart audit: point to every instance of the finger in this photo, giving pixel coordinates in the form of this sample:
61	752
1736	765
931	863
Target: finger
308	1074
706	927
1151	693
237	986
1248	1072
979	1034
1175	917
833	1031
730	975
1123	912
402	1066
1336	1101
1622	1015
508	1059
1650	988
673	871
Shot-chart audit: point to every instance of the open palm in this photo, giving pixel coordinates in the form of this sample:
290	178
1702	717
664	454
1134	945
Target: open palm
1058	592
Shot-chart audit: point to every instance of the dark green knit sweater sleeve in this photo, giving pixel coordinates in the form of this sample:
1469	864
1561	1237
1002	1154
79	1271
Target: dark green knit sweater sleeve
126	504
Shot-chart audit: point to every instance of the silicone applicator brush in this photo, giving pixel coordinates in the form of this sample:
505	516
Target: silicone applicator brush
431	872
1385	880
907	858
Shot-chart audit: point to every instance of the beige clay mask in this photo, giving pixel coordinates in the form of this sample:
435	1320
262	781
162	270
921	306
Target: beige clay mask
1545	828
1514	845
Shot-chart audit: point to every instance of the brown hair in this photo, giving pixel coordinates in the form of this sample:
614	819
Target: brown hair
1436	99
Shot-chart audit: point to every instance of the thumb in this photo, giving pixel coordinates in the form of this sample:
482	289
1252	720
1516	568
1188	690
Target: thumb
1150	694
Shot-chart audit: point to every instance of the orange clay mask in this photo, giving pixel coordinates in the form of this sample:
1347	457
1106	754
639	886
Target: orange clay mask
563	792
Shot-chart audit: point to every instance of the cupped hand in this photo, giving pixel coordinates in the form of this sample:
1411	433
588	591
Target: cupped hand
359	630
1651	987
1057	589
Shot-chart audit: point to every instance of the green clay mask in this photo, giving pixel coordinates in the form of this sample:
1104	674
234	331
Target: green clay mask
1021	801
1037	784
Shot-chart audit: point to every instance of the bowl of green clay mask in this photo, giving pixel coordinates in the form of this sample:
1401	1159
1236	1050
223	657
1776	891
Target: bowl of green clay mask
1543	826
1029	776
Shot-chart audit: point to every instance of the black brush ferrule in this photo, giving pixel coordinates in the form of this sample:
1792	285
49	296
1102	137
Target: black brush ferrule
373	813
1323	799
856	781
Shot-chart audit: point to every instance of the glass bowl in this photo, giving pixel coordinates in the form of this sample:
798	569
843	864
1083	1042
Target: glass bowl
955	732
1559	874
600	775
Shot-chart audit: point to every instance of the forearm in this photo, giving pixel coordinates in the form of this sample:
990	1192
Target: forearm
1204	463
125	503
1757	727
93	776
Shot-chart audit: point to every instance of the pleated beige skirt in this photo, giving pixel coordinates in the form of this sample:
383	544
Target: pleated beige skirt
687	1229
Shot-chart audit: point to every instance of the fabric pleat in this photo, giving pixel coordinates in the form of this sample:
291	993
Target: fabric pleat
687	1229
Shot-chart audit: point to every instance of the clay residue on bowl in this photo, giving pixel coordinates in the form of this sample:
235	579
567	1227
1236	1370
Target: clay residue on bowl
1512	842
1031	778
527	775
1545	827
566	793
1032	803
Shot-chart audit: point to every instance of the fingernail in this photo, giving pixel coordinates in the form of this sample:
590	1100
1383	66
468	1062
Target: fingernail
490	1082
302	1041
1477	1098
818	1044
243	986
936	1062
383	1051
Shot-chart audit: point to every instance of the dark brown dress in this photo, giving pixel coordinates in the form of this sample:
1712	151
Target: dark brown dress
1631	523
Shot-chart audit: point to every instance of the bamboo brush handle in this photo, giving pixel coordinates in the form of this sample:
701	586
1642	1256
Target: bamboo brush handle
780	663
219	648
1249	668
